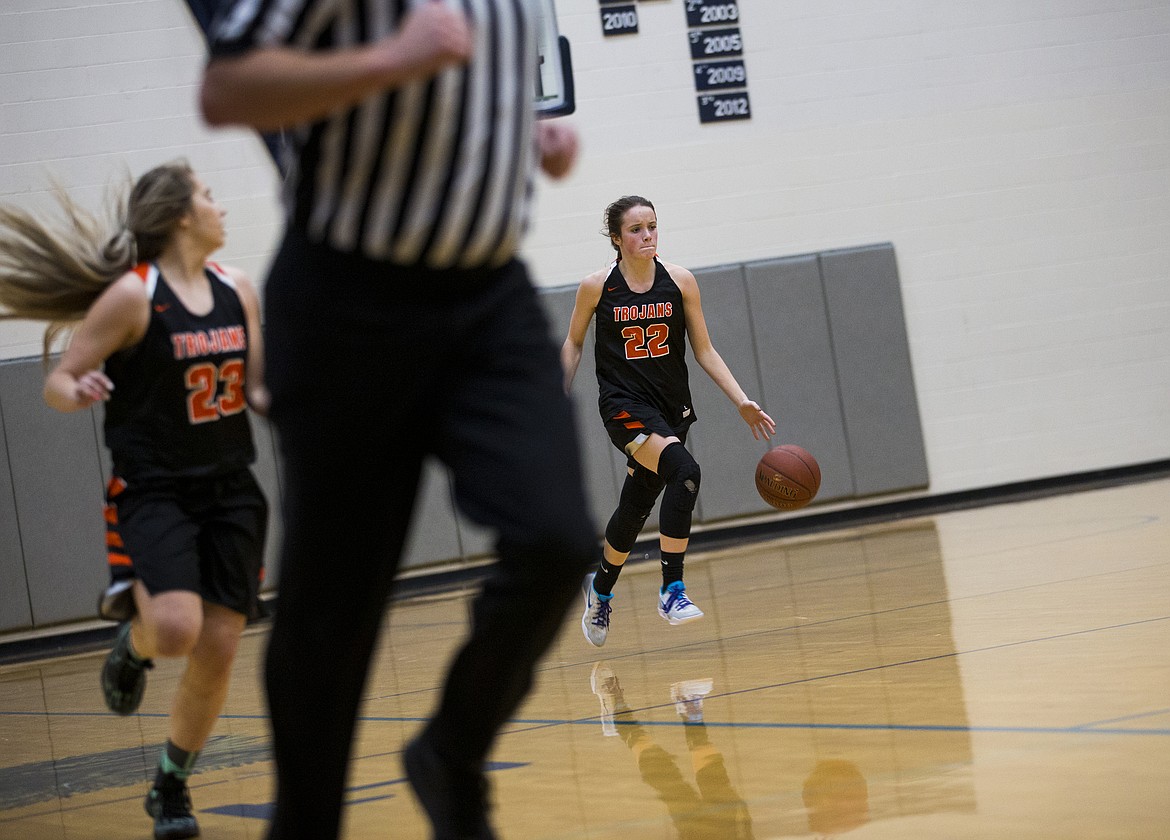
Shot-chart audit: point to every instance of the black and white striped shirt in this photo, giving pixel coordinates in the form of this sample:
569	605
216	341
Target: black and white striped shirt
437	173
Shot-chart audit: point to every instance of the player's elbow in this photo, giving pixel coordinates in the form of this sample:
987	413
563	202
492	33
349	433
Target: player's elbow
259	399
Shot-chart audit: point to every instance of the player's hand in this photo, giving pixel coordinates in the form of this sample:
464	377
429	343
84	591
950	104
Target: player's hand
761	424
92	386
557	145
433	37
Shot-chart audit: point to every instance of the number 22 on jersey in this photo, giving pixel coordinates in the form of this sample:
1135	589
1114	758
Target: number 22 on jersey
646	342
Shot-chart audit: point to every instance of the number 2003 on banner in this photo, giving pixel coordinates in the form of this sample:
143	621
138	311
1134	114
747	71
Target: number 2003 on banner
711	12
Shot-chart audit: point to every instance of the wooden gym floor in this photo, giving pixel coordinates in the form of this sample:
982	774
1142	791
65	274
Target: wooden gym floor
987	673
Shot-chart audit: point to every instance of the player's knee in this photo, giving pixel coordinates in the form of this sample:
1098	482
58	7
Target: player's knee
175	635
690	477
678	467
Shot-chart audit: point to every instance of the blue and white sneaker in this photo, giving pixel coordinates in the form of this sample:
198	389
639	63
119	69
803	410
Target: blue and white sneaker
675	606
595	621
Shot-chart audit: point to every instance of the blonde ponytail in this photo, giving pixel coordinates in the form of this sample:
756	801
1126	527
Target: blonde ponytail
53	270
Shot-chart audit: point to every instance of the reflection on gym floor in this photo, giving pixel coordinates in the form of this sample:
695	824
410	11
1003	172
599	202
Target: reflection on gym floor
986	673
706	810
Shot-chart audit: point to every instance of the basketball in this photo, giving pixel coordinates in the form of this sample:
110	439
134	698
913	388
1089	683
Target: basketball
788	477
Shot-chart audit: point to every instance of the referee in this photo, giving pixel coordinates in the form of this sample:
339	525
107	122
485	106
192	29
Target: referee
400	324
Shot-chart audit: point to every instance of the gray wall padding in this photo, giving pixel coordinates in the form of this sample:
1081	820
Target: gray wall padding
720	441
872	355
434	535
267	472
796	365
15	612
59	487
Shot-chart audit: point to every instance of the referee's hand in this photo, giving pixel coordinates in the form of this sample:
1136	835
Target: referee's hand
433	36
557	145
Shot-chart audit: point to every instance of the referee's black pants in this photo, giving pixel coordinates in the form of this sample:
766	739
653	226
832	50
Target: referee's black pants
371	368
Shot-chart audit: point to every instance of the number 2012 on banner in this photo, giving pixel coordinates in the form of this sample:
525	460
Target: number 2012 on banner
711	12
720	107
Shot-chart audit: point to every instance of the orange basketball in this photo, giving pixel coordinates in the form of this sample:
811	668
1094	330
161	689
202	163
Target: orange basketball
788	477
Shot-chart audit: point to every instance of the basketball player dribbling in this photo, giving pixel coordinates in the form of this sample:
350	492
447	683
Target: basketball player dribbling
646	309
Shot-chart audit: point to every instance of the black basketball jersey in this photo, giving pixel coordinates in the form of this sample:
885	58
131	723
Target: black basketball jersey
178	406
641	347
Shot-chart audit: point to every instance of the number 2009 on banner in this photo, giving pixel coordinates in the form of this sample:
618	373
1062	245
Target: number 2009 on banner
719	75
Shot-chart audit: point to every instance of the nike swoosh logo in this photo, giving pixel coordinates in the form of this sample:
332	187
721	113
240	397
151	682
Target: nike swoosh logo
161	307
611	288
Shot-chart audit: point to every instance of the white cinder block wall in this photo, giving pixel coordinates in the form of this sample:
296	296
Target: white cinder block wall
1015	152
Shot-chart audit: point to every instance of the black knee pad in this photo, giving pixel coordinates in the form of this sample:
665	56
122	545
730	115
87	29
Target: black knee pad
679	469
639	493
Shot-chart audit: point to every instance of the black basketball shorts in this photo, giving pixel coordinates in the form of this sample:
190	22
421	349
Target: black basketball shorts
202	535
630	423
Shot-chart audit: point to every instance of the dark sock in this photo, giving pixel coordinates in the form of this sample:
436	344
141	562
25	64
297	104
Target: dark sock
175	761
605	578
672	567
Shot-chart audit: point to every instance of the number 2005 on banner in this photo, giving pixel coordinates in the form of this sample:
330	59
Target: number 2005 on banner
711	12
715	43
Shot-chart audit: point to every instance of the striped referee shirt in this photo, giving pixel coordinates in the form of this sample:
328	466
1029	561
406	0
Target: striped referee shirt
437	173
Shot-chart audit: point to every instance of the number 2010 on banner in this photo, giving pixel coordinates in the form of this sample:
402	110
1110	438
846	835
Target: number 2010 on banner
619	20
711	12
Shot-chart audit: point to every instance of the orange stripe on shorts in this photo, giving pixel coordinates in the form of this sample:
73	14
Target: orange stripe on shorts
117	558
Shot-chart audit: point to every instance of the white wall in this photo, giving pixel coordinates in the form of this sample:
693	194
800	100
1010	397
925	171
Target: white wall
1017	155
91	92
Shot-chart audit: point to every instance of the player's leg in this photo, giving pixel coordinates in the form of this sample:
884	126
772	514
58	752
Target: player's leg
196	706
160	535
203	686
639	493
159	538
233	519
680	474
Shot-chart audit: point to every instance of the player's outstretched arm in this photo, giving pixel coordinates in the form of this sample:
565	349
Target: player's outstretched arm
709	359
